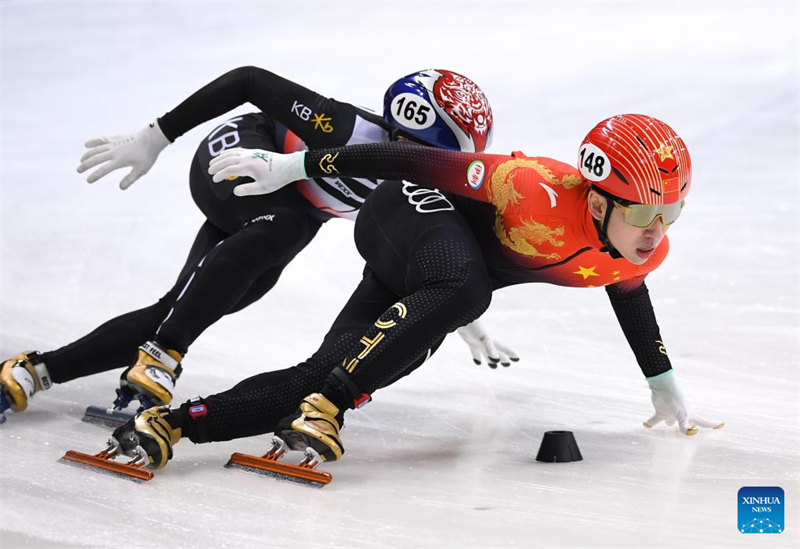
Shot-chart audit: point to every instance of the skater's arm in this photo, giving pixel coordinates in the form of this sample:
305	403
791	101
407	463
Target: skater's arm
484	177
631	303
466	174
318	120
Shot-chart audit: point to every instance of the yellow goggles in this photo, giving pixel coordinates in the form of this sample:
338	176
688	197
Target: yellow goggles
644	215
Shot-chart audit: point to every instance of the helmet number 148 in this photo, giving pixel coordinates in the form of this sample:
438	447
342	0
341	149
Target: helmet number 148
593	163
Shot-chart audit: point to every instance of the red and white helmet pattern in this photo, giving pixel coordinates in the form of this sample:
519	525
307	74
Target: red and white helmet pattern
441	108
467	107
637	158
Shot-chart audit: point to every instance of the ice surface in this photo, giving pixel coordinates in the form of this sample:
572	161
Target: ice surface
446	457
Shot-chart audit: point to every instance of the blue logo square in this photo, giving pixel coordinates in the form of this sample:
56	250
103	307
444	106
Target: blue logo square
761	510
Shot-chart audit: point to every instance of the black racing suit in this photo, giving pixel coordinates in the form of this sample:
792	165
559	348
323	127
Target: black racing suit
244	244
425	277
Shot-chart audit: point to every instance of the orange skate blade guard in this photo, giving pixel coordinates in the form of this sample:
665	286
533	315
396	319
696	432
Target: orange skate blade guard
269	465
105	462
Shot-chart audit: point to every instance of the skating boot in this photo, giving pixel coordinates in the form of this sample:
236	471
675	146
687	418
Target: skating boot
20	378
150	436
315	424
151	379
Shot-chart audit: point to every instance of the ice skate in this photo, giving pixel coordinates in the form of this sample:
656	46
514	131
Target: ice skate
20	378
270	465
151	433
314	425
151	380
148	438
314	430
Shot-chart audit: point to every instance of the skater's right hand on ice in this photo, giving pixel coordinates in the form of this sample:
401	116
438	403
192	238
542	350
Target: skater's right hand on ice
137	150
270	170
481	345
670	407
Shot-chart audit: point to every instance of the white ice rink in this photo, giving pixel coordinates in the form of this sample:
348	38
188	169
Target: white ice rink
445	458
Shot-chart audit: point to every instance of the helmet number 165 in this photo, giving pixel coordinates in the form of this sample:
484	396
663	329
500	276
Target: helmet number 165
412	111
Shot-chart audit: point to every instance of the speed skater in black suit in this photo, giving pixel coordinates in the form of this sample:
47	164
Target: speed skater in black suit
243	245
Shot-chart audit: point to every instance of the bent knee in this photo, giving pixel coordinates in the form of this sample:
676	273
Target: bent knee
458	272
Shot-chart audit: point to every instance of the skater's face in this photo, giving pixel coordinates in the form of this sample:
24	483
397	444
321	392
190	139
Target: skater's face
636	244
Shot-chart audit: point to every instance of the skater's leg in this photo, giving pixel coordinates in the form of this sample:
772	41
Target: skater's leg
434	260
238	271
114	344
419	361
111	345
266	232
262	235
255	405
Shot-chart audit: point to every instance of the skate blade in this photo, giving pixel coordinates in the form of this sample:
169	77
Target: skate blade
104	463
268	465
107	417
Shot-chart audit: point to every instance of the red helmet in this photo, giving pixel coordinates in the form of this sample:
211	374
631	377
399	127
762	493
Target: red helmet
637	158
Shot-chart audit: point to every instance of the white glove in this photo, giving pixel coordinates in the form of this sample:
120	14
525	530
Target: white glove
670	406
138	150
481	345
270	170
